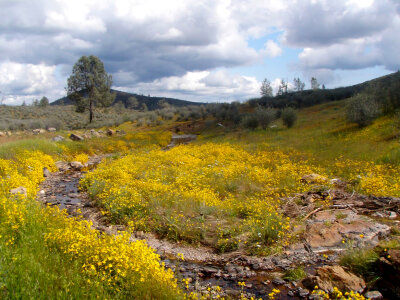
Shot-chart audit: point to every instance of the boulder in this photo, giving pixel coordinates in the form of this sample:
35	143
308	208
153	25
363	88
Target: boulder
94	133
110	132
19	191
62	165
328	277
76	165
2	134
76	137
313	179
9	133
52	129
38	131
57	138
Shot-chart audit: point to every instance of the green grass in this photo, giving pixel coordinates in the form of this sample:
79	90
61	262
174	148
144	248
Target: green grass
295	274
30	270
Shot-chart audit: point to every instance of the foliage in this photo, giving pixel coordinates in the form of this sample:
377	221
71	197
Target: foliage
265	116
295	274
314	83
289	116
250	121
363	109
89	85
298	84
266	89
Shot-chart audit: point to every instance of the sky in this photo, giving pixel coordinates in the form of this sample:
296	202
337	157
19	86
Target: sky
203	50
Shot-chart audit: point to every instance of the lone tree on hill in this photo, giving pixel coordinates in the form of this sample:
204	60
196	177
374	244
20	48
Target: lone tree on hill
266	89
89	85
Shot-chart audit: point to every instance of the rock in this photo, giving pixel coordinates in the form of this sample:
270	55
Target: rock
278	281
328	277
2	134
57	138
330	228
313	179
291	209
392	215
19	191
9	133
62	165
76	137
38	131
46	172
94	133
51	129
76	165
338	183
373	295
110	132
394	258
210	270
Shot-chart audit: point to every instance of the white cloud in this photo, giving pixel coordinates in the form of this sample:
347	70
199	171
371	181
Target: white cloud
174	43
272	49
202	86
20	81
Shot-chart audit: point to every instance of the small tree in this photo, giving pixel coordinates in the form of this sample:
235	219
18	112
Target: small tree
289	116
250	121
363	109
314	83
89	85
44	102
266	89
298	84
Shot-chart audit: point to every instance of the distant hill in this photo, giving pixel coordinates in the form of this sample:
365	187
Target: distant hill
383	87
151	102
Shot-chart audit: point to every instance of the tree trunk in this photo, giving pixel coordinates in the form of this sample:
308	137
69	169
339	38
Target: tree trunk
90	111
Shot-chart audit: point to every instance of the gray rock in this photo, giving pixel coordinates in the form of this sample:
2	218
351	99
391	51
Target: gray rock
52	129
278	281
374	295
57	138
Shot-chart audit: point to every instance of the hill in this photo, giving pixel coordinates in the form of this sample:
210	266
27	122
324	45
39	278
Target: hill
387	88
151	102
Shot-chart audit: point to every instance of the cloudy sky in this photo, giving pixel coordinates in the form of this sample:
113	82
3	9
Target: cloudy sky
203	50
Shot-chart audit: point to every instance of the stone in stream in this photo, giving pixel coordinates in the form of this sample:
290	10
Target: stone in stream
374	295
76	165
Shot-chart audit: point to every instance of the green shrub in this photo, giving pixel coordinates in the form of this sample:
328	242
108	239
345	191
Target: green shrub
250	121
266	116
289	116
363	109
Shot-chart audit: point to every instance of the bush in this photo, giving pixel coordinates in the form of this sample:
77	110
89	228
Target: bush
363	109
289	116
266	116
250	121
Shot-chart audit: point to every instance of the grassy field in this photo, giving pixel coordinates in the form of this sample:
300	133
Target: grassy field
223	190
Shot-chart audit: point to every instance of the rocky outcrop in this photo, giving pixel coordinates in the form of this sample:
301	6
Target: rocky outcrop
328	277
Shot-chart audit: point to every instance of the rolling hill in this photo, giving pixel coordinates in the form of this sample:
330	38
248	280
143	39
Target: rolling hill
151	102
